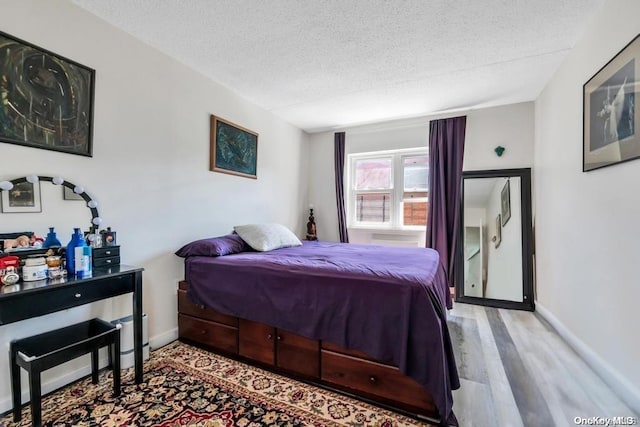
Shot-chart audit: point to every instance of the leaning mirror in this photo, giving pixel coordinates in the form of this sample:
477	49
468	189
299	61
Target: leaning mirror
494	259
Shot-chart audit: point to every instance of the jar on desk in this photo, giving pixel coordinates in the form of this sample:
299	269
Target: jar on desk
9	264
9	277
34	269
55	269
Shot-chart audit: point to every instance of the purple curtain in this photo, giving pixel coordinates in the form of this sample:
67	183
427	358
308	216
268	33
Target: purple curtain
446	149
339	167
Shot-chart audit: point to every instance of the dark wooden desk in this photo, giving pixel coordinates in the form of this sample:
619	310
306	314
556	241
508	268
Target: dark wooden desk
26	300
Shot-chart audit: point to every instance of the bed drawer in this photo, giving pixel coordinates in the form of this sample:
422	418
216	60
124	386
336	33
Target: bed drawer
298	354
216	335
187	307
374	379
256	341
326	345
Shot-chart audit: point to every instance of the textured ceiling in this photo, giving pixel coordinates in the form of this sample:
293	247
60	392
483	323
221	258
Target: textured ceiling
324	64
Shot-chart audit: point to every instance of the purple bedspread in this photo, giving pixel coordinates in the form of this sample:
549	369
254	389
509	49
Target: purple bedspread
388	302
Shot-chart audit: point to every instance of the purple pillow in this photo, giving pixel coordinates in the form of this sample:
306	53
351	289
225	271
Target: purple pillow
213	246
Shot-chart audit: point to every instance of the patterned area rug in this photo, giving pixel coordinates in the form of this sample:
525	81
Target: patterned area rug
187	386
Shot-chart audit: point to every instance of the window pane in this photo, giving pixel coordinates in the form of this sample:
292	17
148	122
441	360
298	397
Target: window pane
415	212
373	174
373	207
416	173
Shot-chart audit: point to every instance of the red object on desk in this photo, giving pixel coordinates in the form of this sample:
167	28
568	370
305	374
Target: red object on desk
9	261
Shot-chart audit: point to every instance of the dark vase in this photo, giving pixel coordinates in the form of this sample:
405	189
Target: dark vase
51	240
76	240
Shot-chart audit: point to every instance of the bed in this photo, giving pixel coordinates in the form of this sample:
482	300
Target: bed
349	310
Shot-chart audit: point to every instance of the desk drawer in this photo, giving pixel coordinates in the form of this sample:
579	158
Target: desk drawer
60	297
106	252
216	335
106	262
106	256
84	293
373	379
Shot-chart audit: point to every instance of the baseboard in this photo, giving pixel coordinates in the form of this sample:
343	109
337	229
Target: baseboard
626	391
163	338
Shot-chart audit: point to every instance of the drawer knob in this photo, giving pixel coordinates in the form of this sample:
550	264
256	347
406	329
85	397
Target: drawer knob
108	252
78	295
201	307
373	379
108	261
269	337
203	332
279	337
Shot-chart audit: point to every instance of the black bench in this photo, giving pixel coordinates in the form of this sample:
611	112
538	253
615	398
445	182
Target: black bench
41	352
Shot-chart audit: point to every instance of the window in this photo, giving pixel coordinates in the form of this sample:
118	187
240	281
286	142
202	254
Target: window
373	184
415	171
388	189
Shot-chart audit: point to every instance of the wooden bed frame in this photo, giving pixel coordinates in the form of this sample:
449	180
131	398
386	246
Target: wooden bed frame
320	362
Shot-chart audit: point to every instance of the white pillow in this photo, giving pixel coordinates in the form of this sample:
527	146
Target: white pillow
266	237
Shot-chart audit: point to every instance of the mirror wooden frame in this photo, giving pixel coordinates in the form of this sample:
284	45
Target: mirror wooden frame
527	242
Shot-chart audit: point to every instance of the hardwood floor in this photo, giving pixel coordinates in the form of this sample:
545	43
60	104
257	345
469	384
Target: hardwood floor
516	371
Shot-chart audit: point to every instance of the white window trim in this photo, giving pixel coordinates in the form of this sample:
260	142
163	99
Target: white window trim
397	196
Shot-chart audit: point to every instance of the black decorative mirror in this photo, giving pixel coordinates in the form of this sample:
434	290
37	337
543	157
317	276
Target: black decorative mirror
495	252
58	198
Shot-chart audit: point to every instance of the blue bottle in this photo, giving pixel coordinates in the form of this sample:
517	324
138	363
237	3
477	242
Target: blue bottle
51	240
76	240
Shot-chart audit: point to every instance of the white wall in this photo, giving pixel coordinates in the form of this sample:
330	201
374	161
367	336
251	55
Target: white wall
510	126
150	168
474	270
587	224
504	266
412	135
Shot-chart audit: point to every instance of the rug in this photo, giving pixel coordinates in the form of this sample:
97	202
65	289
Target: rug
187	386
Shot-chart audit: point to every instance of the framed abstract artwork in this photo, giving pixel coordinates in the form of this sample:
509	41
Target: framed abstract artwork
47	100
610	121
233	149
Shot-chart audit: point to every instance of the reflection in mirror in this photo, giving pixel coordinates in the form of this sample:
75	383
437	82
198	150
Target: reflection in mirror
493	267
55	209
495	255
